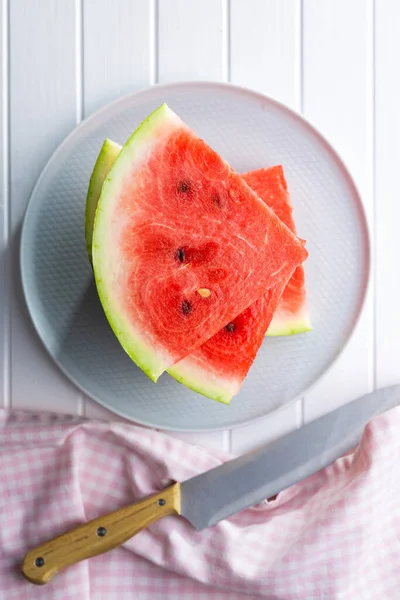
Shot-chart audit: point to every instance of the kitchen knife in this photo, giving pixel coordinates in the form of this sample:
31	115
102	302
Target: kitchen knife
216	494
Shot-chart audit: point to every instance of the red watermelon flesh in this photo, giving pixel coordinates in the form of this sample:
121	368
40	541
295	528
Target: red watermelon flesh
291	315
174	221
217	369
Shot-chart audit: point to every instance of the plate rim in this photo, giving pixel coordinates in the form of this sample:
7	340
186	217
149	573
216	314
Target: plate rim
363	219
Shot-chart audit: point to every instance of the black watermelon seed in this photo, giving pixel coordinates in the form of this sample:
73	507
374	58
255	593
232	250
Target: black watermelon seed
180	255
230	327
184	187
216	200
186	307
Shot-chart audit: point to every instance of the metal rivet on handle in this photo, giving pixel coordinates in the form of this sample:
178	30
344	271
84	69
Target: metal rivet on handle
39	562
161	502
101	532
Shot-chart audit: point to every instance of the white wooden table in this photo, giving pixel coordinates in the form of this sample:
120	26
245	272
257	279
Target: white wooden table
335	61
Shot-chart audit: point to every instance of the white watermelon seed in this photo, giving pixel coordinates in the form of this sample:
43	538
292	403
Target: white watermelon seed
204	292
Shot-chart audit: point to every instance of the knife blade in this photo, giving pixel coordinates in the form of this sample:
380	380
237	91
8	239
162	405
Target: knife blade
221	492
249	479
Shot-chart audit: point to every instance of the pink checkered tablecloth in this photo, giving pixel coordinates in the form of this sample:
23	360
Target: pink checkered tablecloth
334	536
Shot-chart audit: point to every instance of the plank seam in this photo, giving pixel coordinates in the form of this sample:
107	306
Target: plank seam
301	409
301	58
79	89
226	76
7	204
154	42
226	40
374	361
79	64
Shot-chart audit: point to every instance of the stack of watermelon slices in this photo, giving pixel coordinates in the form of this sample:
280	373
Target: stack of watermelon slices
194	264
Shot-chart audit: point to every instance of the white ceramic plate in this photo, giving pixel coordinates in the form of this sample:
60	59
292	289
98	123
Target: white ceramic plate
250	131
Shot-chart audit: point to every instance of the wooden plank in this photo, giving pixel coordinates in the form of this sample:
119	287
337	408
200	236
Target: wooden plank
118	56
337	98
264	55
218	440
42	112
191	40
264	431
4	211
387	160
191	45
265	42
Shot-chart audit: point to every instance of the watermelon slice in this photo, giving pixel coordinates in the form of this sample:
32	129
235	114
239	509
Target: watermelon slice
181	244
291	315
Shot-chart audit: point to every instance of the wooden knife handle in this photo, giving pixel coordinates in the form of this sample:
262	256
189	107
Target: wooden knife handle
98	536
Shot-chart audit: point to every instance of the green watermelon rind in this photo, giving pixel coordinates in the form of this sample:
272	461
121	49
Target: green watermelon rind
137	348
107	155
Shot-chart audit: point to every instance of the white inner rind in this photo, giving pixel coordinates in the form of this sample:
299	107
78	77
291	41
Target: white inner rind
289	323
196	376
